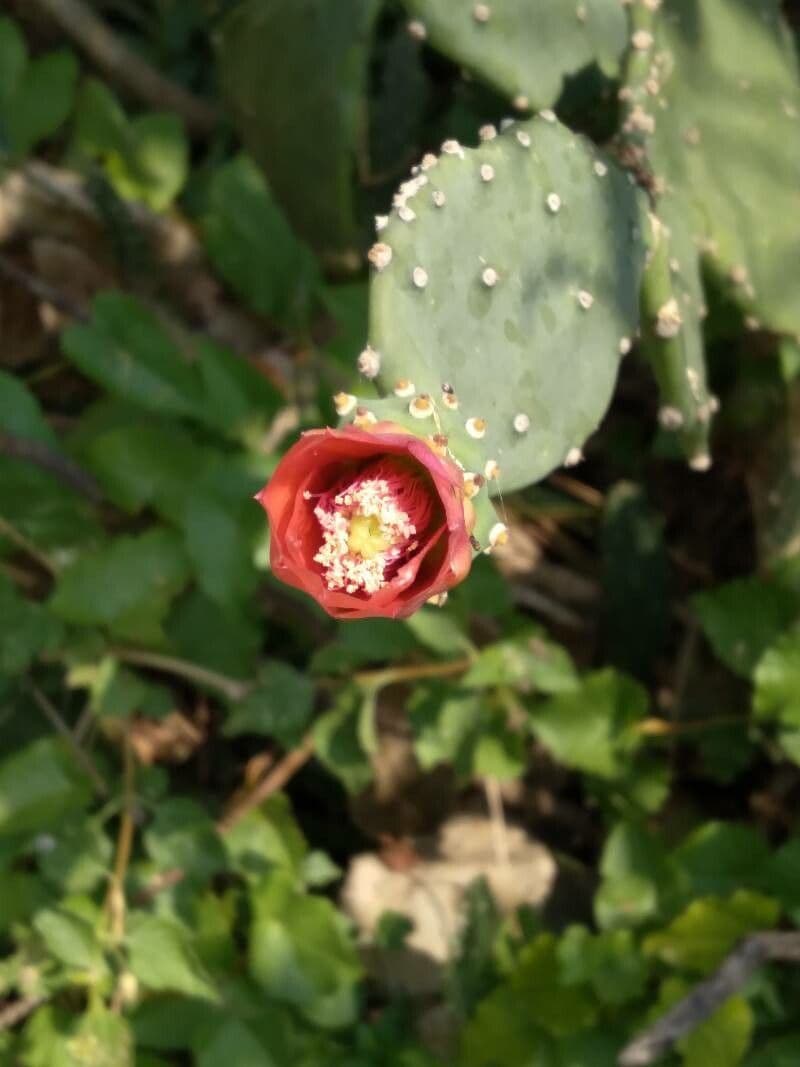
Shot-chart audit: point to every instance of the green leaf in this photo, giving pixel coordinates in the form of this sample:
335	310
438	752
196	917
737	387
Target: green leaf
182	835
231	647
472	973
145	158
28	629
252	246
445	723
279	706
780	877
743	618
117	692
127	351
634	580
438	631
36	96
239	399
363	642
100	1038
219	541
609	963
514	1024
20	896
72	940
142	463
126	586
268	838
721	857
498	752
779	1052
300	951
13	59
639	878
171	1022
50	514
528	662
20	411
777	682
80	856
233	1043
39	786
294	77
214	922
338	745
591	728
723	1039
162	957
702	935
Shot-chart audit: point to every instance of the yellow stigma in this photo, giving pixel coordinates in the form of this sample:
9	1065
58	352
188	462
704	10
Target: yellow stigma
366	539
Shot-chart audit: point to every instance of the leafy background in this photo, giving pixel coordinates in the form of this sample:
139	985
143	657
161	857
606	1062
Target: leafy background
200	773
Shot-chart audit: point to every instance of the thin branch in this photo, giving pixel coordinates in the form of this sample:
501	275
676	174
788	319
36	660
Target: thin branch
412	672
81	758
41	289
115	900
272	782
48	459
127	68
708	996
497	816
18	1010
24	544
231	688
654	727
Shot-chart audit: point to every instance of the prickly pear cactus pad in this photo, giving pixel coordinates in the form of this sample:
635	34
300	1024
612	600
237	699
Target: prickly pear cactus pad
525	49
505	287
725	76
673	309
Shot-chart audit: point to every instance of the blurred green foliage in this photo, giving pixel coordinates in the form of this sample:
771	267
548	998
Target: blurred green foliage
626	679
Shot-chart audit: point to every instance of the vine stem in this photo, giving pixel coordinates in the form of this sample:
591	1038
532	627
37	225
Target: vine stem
412	672
231	688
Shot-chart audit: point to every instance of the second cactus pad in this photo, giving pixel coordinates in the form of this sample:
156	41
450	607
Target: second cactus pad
523	52
509	275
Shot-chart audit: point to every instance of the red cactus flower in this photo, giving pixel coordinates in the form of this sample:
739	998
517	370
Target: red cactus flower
368	522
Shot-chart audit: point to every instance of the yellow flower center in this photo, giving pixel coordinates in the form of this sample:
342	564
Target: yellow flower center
367	537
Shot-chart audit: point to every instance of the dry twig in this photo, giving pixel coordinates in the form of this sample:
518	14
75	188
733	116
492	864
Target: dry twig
708	996
272	782
41	289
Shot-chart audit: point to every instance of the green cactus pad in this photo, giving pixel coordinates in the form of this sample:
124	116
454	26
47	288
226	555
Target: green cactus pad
673	310
532	347
522	52
727	140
